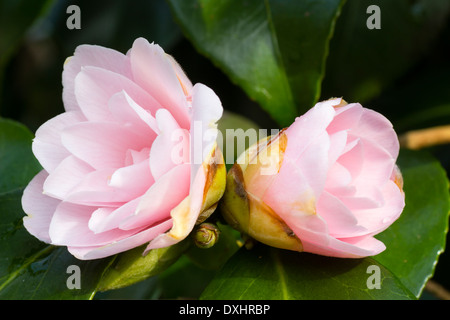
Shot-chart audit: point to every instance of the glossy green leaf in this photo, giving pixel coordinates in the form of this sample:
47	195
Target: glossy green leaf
132	266
415	241
275	274
275	50
17	163
363	62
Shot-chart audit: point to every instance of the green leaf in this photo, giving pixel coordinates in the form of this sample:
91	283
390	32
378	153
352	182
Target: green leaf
269	273
30	269
275	50
364	62
194	279
132	266
17	163
415	241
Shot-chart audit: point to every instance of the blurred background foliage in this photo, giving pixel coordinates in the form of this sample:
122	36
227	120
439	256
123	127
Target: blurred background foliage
401	70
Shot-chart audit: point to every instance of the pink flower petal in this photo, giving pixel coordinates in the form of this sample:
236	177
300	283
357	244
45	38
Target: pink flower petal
164	153
376	167
96	56
101	144
161	198
97	252
38	207
108	187
206	111
154	72
377	129
70	172
47	146
340	220
351	248
378	219
105	219
95	86
184	216
127	112
70	227
346	118
306	128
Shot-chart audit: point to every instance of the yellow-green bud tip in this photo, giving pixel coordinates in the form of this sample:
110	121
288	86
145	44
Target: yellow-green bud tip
206	235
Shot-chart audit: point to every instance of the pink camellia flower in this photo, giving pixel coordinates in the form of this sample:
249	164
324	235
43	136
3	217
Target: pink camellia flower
325	185
113	176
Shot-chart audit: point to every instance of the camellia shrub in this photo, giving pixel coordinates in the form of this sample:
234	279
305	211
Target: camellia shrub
292	173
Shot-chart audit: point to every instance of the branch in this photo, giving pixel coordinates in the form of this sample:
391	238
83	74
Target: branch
418	139
437	290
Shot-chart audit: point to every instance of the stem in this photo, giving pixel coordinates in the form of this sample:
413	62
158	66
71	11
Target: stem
437	290
418	139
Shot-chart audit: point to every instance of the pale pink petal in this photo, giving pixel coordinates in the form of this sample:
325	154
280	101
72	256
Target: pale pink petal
346	118
97	252
300	180
95	86
340	220
164	195
134	177
165	150
376	166
98	217
378	219
351	248
290	189
314	162
353	158
369	198
101	144
70	227
206	111
134	157
105	219
338	177
47	146
154	72
38	207
70	172
96	56
375	128
186	84
306	128
184	216
98	187
338	144
127	112
294	200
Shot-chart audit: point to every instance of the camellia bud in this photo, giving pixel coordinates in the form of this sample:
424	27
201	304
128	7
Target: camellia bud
245	212
325	185
206	235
